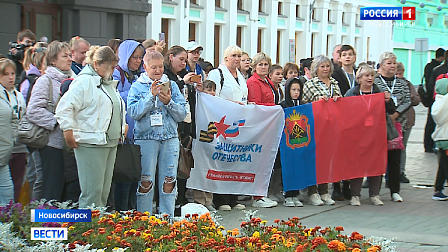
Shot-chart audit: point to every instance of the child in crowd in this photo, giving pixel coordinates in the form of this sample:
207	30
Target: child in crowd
293	97
276	76
202	197
440	115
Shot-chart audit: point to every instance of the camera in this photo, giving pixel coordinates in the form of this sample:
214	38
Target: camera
19	52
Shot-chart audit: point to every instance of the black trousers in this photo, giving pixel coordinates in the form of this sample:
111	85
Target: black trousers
442	172
125	197
52	173
224	199
429	129
393	164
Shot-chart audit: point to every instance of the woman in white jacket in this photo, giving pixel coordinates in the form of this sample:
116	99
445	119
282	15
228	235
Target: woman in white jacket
439	113
92	116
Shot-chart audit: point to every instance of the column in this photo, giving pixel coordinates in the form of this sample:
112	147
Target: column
338	31
321	37
352	21
304	42
154	20
270	40
179	30
206	39
290	33
252	28
229	29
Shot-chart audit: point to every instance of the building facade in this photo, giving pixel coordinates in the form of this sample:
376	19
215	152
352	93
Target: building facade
95	20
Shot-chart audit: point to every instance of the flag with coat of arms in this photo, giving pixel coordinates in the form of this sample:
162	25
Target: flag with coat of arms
236	146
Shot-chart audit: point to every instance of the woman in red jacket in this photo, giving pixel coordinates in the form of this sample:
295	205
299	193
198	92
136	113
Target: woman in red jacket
261	90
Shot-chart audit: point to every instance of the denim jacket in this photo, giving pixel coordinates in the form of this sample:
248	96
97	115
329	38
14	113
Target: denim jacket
141	105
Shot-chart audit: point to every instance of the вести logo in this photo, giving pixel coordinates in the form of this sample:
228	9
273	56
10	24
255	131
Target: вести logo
297	130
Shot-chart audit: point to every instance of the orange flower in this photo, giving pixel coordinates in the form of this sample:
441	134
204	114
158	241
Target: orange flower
276	221
356	250
64	225
101	230
333	244
144	218
339	228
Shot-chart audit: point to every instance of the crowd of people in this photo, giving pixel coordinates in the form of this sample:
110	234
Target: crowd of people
89	99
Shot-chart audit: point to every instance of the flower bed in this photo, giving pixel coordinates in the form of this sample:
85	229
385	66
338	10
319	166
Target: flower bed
136	231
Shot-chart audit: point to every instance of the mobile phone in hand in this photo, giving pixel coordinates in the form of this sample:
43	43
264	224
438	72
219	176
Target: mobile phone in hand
165	87
162	36
195	78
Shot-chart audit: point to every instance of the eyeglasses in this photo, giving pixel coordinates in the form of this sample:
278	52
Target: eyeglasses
136	58
247	60
196	52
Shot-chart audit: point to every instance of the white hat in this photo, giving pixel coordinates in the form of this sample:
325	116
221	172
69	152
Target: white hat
192	45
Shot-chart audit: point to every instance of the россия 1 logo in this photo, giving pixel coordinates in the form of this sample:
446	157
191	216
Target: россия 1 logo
387	13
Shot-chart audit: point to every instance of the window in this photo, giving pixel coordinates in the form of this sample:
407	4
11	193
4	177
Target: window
240	5
239	31
279	34
312	44
430	21
329	16
193	1
217	3
260	6
343	17
328	45
217	44
260	33
313	17
192	32
297	11
165	29
42	18
280	8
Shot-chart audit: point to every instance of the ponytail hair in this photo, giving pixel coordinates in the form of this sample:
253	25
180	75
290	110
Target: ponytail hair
100	55
35	56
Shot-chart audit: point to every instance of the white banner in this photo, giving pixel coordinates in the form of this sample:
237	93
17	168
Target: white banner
235	146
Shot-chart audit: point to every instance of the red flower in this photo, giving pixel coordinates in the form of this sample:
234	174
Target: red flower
339	229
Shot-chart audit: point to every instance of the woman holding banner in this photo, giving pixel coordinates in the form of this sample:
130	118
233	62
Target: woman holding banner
402	100
364	77
230	85
321	87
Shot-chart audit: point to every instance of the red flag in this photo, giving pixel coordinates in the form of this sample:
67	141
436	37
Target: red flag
351	138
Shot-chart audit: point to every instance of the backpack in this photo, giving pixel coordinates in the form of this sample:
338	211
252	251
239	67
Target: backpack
221	82
121	75
32	78
425	97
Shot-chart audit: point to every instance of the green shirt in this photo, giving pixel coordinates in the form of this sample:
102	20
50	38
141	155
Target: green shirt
114	131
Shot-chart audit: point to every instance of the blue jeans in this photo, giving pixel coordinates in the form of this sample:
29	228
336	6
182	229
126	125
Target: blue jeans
6	186
165	154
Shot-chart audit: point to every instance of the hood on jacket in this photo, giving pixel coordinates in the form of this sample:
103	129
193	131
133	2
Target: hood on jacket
55	73
288	85
146	80
441	86
125	51
33	70
88	70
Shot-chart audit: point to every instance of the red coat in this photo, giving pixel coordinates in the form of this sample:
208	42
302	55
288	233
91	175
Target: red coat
259	90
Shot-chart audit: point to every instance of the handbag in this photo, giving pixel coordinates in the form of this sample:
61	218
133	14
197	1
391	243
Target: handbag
397	143
425	97
186	161
392	132
128	165
32	135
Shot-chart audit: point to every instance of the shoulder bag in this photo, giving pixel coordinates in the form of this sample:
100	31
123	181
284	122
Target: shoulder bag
32	135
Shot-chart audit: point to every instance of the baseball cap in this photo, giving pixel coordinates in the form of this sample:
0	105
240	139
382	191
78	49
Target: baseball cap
192	45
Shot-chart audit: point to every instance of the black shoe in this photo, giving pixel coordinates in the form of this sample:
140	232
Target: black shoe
403	178
365	184
337	195
433	150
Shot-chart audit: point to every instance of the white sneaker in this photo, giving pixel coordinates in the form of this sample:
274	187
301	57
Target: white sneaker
315	200
326	198
376	200
355	201
225	208
239	207
273	198
289	202
297	202
396	197
264	203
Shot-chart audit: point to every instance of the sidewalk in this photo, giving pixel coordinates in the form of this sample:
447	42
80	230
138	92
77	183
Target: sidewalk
417	224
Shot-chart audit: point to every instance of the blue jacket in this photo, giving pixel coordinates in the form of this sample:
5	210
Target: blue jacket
198	70
125	51
141	104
